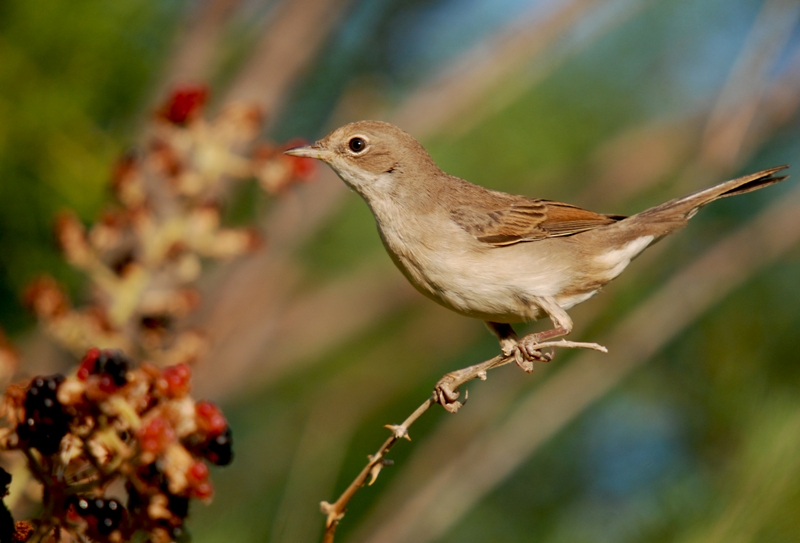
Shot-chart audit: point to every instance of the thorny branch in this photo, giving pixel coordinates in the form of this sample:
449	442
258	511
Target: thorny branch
446	394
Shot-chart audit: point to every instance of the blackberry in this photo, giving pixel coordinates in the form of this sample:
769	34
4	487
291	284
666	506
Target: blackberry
45	420
109	514
136	502
178	505
105	515
219	450
114	364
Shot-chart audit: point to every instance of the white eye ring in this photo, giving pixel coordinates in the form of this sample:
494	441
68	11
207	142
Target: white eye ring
357	144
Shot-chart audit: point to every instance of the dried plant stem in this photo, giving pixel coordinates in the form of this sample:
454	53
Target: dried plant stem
445	393
453	380
335	510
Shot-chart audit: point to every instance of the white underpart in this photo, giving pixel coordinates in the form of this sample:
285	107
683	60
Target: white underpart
572	301
618	259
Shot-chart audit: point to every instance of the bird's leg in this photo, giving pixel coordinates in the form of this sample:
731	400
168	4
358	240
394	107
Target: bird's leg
528	348
510	346
505	334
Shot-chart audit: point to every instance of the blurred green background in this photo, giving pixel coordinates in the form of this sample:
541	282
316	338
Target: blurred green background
688	430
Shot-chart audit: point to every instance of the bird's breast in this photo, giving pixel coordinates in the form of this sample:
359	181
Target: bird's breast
449	266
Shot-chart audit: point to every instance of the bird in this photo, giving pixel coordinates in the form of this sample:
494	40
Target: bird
498	257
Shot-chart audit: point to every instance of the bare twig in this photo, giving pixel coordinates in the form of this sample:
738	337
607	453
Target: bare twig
322	445
335	511
445	393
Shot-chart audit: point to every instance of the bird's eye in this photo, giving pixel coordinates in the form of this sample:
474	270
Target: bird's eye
357	144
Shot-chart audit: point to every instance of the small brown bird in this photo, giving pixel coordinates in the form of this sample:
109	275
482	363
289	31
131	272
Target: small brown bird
494	256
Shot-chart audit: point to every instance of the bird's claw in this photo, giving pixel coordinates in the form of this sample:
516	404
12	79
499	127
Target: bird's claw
528	352
446	396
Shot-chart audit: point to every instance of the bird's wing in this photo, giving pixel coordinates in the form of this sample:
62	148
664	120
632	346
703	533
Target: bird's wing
525	219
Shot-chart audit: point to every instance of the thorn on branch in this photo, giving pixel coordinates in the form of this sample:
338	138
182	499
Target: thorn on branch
377	467
399	431
331	512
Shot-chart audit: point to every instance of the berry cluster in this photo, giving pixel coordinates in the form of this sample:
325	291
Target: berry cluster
111	421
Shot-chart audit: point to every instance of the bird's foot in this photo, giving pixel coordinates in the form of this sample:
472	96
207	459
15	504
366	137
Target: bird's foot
447	394
446	391
527	353
530	349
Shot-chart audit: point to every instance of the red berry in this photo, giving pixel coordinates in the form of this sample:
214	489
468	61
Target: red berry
156	435
72	514
151	444
203	490
88	363
184	104
198	472
177	380
210	418
106	383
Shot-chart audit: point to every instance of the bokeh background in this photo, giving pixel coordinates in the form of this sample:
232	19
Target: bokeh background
688	430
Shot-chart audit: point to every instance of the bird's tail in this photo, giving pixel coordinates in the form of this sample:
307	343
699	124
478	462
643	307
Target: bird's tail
684	208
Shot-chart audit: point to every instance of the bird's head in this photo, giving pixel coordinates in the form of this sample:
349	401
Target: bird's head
371	156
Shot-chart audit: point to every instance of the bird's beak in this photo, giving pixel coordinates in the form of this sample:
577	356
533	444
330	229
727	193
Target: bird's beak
310	151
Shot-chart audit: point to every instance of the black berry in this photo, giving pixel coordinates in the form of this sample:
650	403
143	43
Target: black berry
105	515
219	450
109	515
114	364
178	505
45	420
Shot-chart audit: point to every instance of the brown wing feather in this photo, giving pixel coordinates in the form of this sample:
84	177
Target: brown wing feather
526	220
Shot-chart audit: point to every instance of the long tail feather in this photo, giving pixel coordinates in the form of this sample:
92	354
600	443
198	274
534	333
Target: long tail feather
688	205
